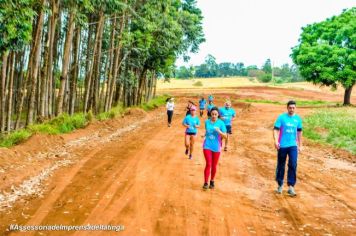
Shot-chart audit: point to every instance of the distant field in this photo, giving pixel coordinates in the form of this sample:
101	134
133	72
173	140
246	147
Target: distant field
231	82
207	83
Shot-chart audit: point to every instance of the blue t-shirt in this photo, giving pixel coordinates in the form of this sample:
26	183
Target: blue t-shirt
209	106
191	121
212	137
227	114
202	104
210	98
288	127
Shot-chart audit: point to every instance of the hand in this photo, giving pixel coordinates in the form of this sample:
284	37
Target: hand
276	145
300	149
217	129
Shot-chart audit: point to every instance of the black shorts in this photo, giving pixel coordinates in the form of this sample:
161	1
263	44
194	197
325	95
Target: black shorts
228	129
189	133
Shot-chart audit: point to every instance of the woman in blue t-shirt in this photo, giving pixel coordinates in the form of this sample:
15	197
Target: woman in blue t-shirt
215	131
191	123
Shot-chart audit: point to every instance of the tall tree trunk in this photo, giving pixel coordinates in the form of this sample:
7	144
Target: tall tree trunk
75	71
23	90
10	92
97	64
35	64
347	95
89	77
65	62
110	72
5	56
51	42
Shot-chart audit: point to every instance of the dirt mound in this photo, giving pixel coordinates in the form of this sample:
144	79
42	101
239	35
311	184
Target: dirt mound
136	112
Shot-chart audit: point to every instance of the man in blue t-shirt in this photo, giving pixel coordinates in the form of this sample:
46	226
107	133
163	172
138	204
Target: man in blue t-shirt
287	136
202	103
227	114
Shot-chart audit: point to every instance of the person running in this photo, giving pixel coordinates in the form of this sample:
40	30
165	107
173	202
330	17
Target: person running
209	107
210	97
287	134
202	103
227	114
170	108
215	130
189	105
191	122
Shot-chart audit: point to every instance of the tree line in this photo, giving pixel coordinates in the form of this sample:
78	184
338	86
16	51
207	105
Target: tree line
210	68
67	56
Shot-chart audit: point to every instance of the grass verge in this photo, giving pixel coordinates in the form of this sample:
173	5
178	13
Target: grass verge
299	103
336	127
66	123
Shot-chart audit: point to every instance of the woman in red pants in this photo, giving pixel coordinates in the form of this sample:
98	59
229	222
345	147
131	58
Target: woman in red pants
215	131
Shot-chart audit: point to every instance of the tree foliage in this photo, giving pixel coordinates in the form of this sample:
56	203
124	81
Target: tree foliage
326	53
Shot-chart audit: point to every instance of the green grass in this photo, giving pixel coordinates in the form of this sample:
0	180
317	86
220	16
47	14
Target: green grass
154	103
61	124
15	138
299	103
114	112
66	123
333	126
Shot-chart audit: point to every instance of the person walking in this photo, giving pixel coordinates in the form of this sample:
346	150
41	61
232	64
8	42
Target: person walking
227	114
170	108
202	103
287	134
209	107
215	131
191	123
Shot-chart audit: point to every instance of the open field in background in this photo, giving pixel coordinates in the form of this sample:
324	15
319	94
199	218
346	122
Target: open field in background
233	82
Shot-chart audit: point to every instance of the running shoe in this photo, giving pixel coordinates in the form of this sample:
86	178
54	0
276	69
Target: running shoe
291	191
190	156
212	185
279	189
205	186
225	149
186	151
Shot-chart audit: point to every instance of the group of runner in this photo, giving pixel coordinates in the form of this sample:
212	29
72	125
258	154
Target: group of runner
287	136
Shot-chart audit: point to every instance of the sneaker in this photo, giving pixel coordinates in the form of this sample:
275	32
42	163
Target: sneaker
279	189
186	151
225	149
205	186
291	191
190	156
212	185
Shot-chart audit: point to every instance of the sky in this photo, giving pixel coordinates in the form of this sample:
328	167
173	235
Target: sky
251	31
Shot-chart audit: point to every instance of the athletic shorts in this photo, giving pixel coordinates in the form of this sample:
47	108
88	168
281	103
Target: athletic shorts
228	129
189	133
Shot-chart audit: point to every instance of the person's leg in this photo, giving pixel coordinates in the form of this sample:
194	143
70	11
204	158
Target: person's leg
215	161
186	143
208	163
192	141
292	166
281	163
170	115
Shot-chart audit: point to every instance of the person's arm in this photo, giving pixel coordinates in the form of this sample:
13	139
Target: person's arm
223	135
299	135
275	137
184	123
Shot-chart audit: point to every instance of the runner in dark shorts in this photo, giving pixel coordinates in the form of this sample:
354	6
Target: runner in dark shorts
191	123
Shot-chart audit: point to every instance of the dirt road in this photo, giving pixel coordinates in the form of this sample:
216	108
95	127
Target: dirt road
134	173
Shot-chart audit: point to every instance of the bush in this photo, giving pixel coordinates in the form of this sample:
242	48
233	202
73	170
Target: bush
198	84
264	78
15	138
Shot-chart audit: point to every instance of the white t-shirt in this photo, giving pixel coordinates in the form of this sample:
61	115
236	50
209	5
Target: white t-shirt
170	106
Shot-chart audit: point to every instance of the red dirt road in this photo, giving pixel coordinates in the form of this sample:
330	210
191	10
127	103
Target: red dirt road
133	172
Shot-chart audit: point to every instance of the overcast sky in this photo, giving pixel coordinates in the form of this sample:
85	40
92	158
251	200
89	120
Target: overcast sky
251	31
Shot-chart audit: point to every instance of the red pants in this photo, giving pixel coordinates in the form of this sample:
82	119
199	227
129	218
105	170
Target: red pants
211	159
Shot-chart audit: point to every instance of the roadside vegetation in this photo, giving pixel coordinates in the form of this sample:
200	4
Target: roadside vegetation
65	123
336	127
299	103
